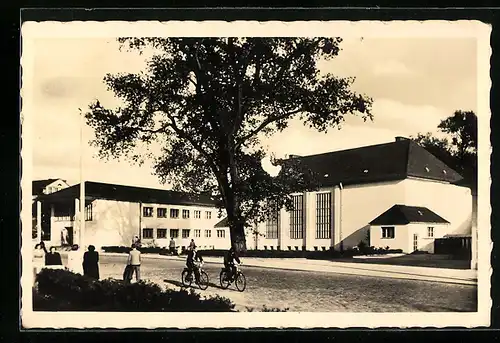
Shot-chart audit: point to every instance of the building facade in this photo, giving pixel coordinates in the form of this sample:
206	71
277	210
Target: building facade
116	214
358	185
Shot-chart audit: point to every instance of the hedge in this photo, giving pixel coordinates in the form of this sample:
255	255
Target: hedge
328	254
61	290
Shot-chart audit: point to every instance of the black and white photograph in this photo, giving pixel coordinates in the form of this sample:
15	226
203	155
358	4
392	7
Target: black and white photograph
255	174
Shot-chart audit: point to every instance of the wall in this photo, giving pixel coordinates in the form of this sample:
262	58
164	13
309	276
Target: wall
453	203
114	223
424	242
400	240
361	204
191	224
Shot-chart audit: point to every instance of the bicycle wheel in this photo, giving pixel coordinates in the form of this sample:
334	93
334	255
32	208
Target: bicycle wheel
224	280
203	281
241	282
186	279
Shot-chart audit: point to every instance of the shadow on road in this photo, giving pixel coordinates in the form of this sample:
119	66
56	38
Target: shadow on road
193	285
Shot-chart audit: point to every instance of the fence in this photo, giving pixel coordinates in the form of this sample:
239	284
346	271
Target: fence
459	247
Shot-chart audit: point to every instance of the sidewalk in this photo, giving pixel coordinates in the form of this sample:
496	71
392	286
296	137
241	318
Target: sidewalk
456	276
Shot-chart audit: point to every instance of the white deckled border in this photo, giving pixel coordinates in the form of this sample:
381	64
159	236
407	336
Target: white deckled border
408	29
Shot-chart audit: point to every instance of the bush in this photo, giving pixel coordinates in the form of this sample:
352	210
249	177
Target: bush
142	249
361	249
61	290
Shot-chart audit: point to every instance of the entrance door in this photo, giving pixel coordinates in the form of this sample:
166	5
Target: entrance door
69	236
415	242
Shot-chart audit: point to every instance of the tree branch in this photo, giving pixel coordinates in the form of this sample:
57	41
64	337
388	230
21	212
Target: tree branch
265	123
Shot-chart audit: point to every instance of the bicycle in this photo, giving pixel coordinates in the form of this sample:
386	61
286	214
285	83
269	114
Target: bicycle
187	277
239	279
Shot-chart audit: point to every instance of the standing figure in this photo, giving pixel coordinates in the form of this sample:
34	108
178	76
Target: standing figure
75	260
171	246
134	263
192	244
52	257
91	263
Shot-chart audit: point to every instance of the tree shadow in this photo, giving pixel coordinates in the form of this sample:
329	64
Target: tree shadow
195	286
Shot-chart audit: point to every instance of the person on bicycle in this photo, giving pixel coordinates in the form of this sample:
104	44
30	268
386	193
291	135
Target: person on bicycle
192	257
229	260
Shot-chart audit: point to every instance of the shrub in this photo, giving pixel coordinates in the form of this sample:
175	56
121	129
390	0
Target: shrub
361	249
61	290
142	249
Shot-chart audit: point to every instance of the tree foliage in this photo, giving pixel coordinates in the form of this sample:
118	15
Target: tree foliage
459	151
209	101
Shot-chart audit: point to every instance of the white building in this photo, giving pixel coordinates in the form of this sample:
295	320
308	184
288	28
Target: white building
357	186
408	228
115	214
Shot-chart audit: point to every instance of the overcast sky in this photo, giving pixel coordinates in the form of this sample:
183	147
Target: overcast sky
414	82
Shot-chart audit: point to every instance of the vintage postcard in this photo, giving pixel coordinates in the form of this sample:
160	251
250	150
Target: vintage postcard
255	174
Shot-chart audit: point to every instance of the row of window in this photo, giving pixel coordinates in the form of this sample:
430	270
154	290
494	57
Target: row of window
271	247
64	214
389	232
148	233
161	212
323	218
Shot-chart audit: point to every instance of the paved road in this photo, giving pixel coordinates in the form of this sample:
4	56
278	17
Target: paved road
313	291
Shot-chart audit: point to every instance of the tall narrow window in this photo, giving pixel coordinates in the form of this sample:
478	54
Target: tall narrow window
323	215
88	212
296	217
147	211
161	212
174	213
430	232
273	223
185	214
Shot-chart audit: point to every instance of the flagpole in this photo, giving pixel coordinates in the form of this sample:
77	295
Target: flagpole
82	185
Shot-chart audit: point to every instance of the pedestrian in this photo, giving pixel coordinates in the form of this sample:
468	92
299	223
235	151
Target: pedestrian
172	246
137	241
75	260
91	263
134	261
52	257
192	245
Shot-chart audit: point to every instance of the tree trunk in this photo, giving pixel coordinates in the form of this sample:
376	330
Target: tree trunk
238	239
237	232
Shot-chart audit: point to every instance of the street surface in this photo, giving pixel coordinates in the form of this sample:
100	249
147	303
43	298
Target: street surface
311	291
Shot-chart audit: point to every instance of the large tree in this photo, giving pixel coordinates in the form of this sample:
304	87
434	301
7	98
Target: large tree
459	151
209	101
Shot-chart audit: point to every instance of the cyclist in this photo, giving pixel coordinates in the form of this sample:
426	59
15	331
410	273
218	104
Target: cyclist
192	257
229	260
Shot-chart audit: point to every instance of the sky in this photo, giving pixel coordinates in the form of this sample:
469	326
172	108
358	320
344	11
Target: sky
414	82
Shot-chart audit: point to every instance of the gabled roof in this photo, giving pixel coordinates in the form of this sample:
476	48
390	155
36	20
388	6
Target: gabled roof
222	224
39	185
98	190
403	215
377	163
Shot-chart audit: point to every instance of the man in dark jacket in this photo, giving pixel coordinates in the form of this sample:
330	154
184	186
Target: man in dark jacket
192	257
91	263
229	260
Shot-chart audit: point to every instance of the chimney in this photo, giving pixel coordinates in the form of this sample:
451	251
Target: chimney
401	138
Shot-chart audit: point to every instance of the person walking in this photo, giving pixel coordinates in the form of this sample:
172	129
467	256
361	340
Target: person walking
91	263
171	246
134	261
192	245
